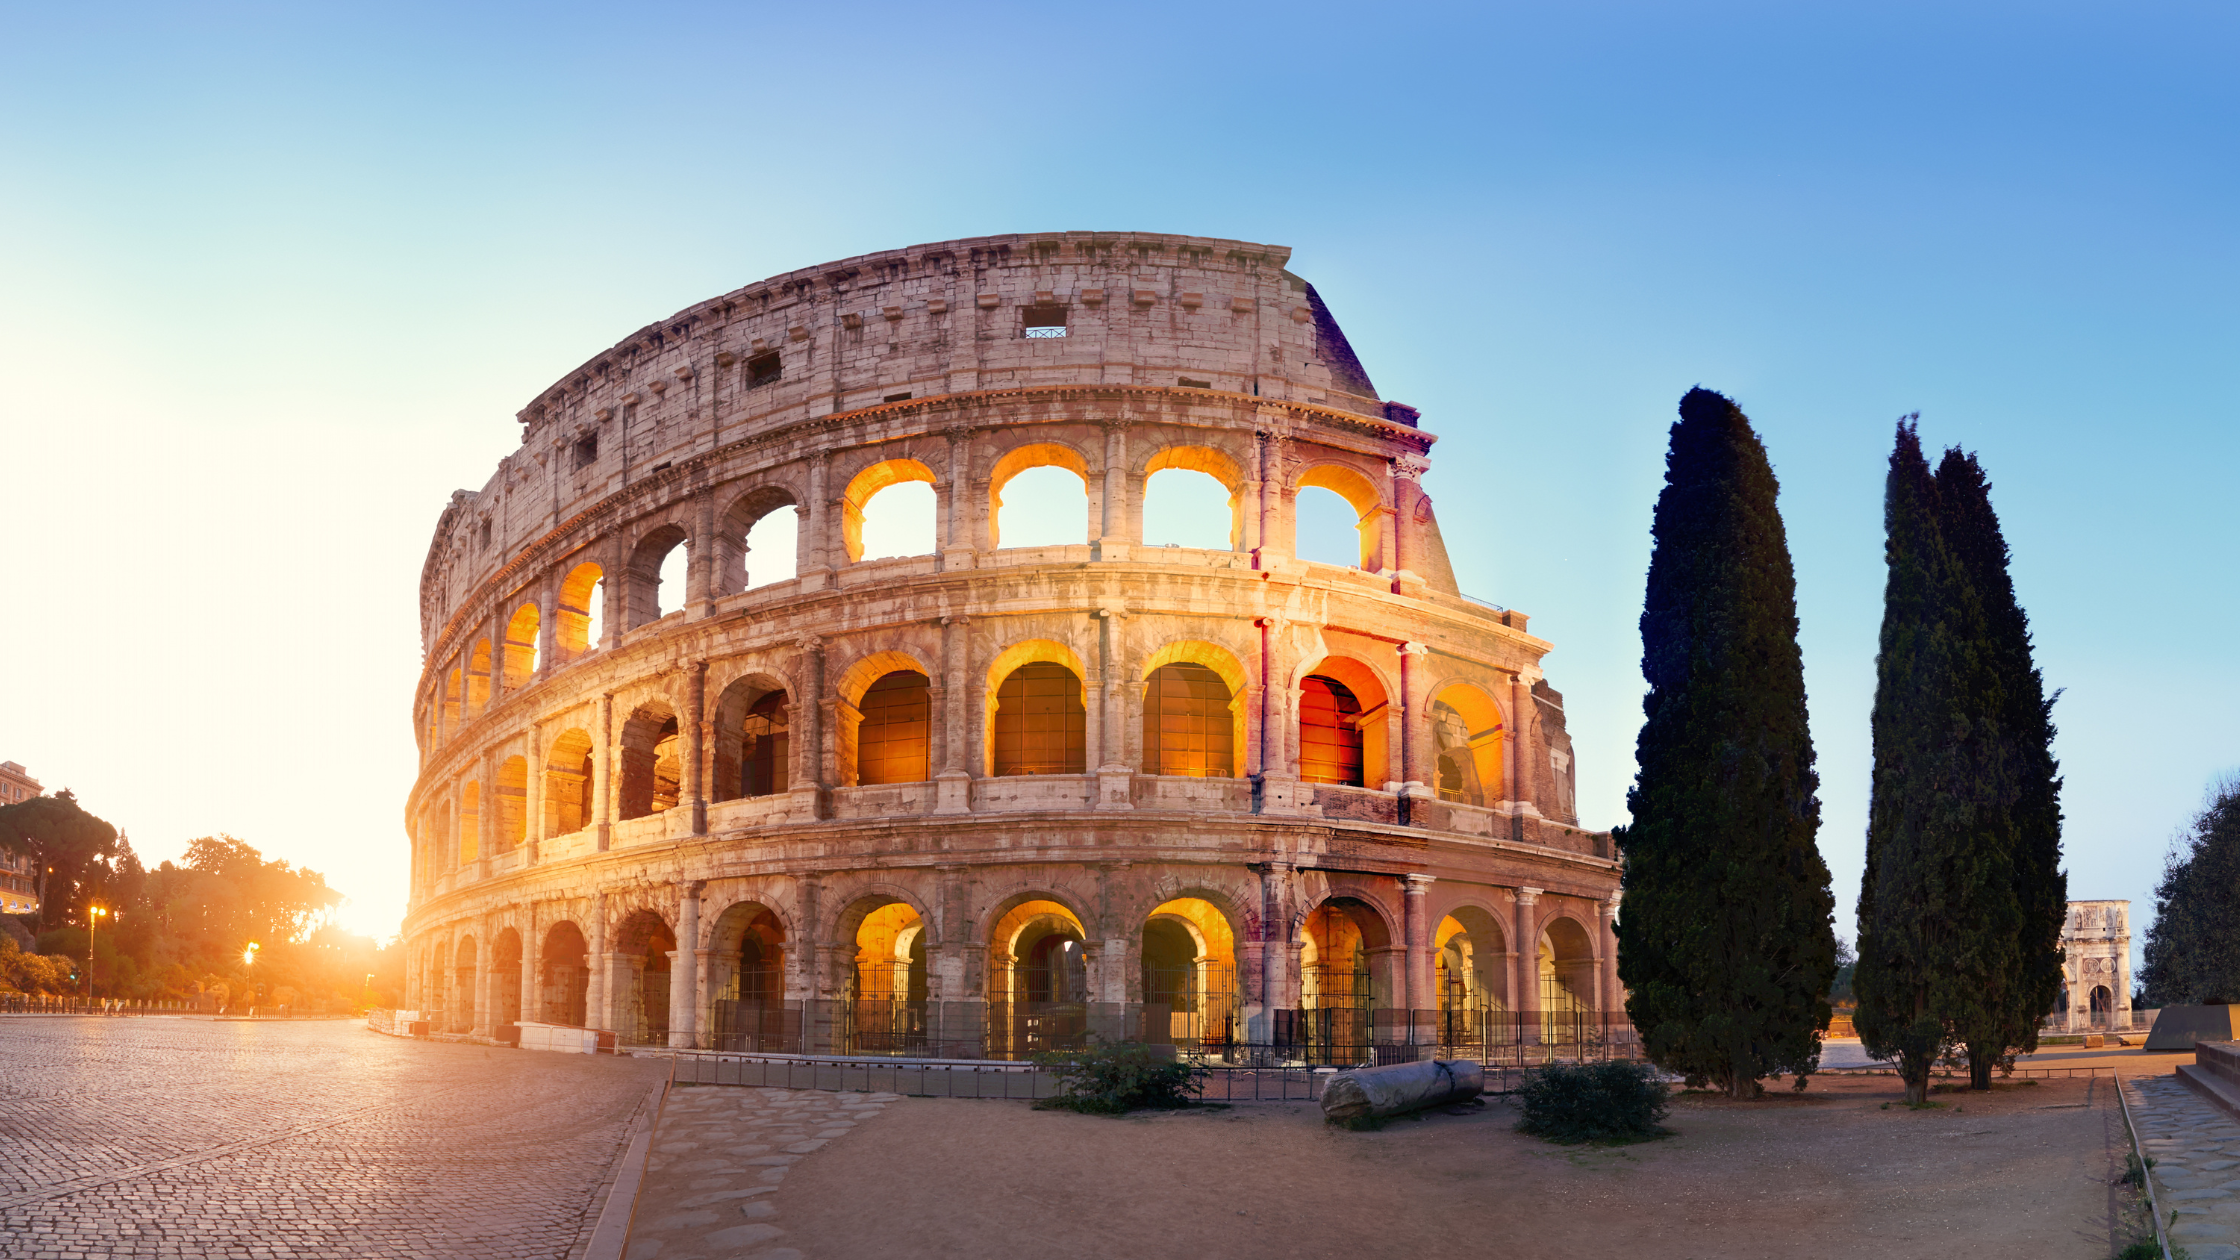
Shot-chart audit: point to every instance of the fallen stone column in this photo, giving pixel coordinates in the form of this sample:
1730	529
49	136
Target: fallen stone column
1378	1092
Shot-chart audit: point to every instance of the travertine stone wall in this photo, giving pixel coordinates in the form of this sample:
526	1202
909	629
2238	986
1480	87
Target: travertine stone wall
915	365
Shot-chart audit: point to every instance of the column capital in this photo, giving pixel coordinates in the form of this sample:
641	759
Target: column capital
1417	883
1609	906
1527	896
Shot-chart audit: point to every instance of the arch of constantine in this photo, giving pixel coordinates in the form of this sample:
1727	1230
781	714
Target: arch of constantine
702	788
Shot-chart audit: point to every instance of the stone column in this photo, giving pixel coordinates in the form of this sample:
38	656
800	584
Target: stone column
494	681
614	585
1415	747
806	787
945	954
1422	974
959	548
548	615
602	774
599	964
684	971
1275	949
1246	526
1113	533
1279	789
485	976
1525	971
486	829
1112	767
1407	547
696	744
532	1004
1610	991
826	549
532	828
952	784
1513	769
706	569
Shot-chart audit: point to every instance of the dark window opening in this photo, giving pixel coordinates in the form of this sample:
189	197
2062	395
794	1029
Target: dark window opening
1046	319
587	450
1187	383
763	369
1041	726
904	396
894	742
1329	733
663	464
763	759
483	542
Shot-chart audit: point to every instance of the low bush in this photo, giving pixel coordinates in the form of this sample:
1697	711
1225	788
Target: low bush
1593	1102
1116	1078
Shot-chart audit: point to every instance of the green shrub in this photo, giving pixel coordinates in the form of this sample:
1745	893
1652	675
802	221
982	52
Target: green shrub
1113	1079
1593	1102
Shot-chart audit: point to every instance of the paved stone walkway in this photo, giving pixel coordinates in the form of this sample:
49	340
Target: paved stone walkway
187	1137
2196	1149
712	1177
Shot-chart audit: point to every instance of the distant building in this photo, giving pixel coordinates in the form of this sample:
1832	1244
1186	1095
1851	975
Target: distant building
2095	967
19	873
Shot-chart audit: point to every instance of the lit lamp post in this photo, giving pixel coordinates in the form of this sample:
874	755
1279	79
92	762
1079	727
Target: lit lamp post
249	959
93	921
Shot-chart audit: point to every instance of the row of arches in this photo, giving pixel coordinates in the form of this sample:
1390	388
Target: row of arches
1039	493
1036	986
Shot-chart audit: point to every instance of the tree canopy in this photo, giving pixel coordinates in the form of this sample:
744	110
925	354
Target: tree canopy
2193	945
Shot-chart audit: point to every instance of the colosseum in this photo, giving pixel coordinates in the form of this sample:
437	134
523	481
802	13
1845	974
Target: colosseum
744	726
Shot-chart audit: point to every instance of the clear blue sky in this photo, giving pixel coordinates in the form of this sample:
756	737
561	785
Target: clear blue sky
274	281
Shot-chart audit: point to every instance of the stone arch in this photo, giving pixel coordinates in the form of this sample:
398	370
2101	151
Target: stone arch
505	977
513	803
885	728
1470	967
567	783
521	646
643	943
463	962
563	975
1342	720
1180	707
1037	974
650	774
748	948
576	615
1046	692
1565	966
1466	737
1032	455
734	570
1187	964
1348	969
868	483
752	749
1214	463
642	601
1361	494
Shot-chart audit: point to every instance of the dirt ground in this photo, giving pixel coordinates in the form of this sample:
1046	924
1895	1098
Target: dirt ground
2023	1172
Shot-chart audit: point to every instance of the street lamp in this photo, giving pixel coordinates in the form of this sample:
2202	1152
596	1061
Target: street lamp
93	921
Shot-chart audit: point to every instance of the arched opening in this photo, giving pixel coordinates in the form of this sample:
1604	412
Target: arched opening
2103	1006
1340	518
1344	975
1470	977
454	687
470	822
650	767
747	978
1189	975
887	983
1466	730
478	678
567	784
1566	974
894	739
562	976
1038	496
657	565
462	986
1041	725
1189	722
1329	732
888	510
505	978
752	755
1038	979
513	803
773	548
521	647
642	947
579	618
1193	497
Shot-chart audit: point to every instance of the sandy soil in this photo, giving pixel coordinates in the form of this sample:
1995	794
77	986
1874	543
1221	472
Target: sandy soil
2024	1172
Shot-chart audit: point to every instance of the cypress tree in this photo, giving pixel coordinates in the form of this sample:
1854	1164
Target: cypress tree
2193	946
2021	794
1728	942
1939	918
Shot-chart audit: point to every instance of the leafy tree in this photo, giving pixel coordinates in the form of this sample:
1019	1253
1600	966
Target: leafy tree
67	841
2020	794
1728	942
2193	945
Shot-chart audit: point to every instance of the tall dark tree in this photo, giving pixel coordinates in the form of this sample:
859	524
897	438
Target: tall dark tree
1727	942
68	842
1939	918
2021	794
2193	945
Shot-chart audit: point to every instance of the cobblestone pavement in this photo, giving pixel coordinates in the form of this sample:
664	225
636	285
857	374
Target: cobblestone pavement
712	1178
194	1137
2196	1154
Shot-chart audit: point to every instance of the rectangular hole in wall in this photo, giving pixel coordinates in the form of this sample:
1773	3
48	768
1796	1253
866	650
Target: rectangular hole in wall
904	396
587	450
1187	383
763	369
1045	319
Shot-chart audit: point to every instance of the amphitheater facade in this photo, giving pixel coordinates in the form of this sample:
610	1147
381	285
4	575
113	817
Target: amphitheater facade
985	799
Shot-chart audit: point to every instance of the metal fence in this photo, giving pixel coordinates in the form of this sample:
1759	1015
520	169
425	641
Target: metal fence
48	1004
